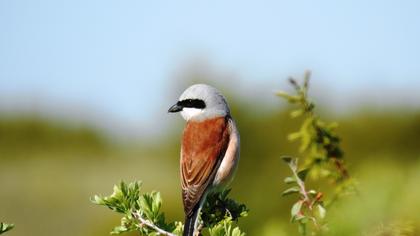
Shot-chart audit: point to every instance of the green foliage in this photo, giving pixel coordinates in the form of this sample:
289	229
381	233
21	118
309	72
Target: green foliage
225	228
142	212
309	207
18	134
219	207
5	227
323	158
318	140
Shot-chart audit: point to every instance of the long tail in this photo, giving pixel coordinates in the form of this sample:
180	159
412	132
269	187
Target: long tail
190	221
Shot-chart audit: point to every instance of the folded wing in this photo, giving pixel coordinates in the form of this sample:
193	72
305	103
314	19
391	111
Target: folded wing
204	144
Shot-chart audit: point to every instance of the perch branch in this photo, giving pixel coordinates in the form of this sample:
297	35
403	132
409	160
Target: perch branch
150	224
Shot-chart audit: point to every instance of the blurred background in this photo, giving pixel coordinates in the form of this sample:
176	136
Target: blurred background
85	87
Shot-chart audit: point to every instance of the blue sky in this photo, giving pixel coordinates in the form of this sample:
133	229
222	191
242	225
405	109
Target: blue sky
119	57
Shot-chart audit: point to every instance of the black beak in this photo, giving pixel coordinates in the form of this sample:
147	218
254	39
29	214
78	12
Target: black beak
175	108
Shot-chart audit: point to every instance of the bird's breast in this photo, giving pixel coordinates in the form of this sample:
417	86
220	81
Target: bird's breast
204	140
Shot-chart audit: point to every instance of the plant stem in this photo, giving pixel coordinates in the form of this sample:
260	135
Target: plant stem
301	186
150	224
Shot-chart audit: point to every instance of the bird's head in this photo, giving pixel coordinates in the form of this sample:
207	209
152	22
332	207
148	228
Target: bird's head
200	102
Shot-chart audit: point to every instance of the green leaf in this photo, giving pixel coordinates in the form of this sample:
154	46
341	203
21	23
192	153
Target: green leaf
305	143
178	228
97	200
287	159
157	202
312	192
282	94
294	136
237	232
145	203
297	113
5	227
290	98
225	228
291	190
303	173
289	180
292	162
296	208
321	211
119	229
117	193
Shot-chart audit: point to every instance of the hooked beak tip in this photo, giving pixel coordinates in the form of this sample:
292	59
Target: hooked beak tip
175	108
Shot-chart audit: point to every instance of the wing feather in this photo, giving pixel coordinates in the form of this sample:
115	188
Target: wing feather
203	146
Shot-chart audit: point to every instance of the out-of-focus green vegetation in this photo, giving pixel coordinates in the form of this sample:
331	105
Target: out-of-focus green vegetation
4	227
49	170
24	135
323	161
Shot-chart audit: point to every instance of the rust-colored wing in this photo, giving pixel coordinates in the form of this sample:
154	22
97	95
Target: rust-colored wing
203	146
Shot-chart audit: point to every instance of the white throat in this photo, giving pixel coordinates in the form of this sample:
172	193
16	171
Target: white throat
188	112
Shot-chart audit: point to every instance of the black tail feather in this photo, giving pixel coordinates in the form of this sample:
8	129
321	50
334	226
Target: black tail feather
190	221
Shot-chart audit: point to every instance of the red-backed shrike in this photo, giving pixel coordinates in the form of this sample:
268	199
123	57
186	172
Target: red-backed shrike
209	149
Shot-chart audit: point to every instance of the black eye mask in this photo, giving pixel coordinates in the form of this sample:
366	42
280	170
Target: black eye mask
192	103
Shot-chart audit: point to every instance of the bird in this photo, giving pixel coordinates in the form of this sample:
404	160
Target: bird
210	148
